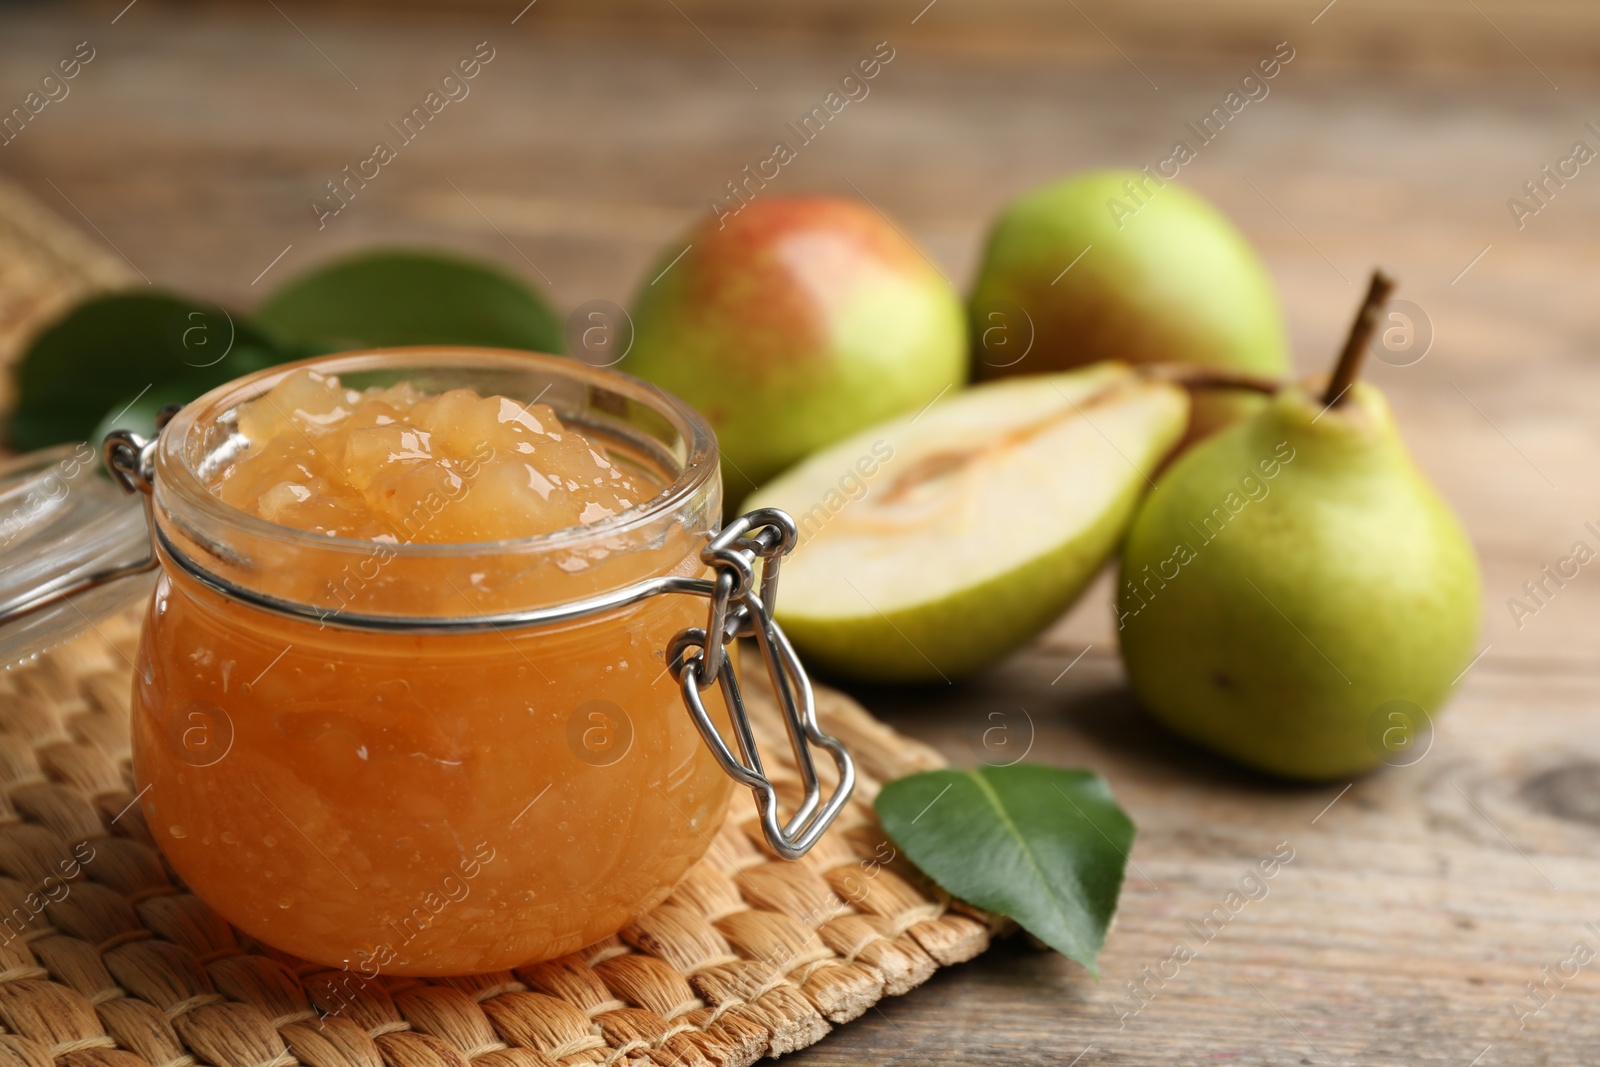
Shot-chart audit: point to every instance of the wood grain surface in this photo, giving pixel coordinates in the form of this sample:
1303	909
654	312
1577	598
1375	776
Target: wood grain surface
1420	901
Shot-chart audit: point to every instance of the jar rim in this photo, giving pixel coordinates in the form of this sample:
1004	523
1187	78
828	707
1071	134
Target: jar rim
177	475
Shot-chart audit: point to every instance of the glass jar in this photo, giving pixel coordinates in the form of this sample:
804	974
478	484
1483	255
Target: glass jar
438	759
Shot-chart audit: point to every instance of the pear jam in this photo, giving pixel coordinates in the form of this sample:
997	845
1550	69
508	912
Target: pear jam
361	465
400	801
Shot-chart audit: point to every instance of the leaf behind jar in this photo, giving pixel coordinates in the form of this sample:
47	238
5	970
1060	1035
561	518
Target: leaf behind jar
114	350
399	297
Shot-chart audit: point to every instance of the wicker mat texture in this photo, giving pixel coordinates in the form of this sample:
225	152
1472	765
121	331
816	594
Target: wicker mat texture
750	957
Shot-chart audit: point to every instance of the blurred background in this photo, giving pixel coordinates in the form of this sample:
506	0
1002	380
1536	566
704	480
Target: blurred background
192	147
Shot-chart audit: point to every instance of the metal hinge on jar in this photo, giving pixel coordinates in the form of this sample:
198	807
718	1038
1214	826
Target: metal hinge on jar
699	660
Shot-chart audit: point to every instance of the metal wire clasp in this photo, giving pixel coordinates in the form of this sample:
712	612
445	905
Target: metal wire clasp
699	659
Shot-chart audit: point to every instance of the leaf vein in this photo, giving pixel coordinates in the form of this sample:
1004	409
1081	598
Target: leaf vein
1033	860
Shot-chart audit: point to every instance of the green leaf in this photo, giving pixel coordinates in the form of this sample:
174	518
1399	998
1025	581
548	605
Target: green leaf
110	349
1042	845
391	298
138	413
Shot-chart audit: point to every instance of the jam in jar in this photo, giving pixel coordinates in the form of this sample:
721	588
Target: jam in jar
410	695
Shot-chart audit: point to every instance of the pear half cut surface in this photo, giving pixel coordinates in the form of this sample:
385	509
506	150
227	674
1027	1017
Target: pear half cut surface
934	544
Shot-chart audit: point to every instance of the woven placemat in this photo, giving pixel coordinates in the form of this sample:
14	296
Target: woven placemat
119	965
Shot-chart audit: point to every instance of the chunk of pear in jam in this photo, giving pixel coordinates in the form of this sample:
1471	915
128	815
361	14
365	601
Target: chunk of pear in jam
934	544
383	463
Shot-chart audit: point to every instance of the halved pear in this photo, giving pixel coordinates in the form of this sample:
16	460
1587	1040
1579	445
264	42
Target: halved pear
933	544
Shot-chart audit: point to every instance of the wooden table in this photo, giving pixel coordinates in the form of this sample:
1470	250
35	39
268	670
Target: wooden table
1420	900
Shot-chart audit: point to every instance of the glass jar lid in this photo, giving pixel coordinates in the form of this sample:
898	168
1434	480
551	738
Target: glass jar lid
61	520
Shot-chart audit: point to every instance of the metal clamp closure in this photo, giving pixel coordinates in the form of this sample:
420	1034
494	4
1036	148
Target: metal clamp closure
699	658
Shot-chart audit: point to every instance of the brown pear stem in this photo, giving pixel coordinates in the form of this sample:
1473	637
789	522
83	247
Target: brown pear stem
1355	346
1198	378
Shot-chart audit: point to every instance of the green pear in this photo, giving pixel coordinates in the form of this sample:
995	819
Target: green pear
1125	265
933	544
1292	582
